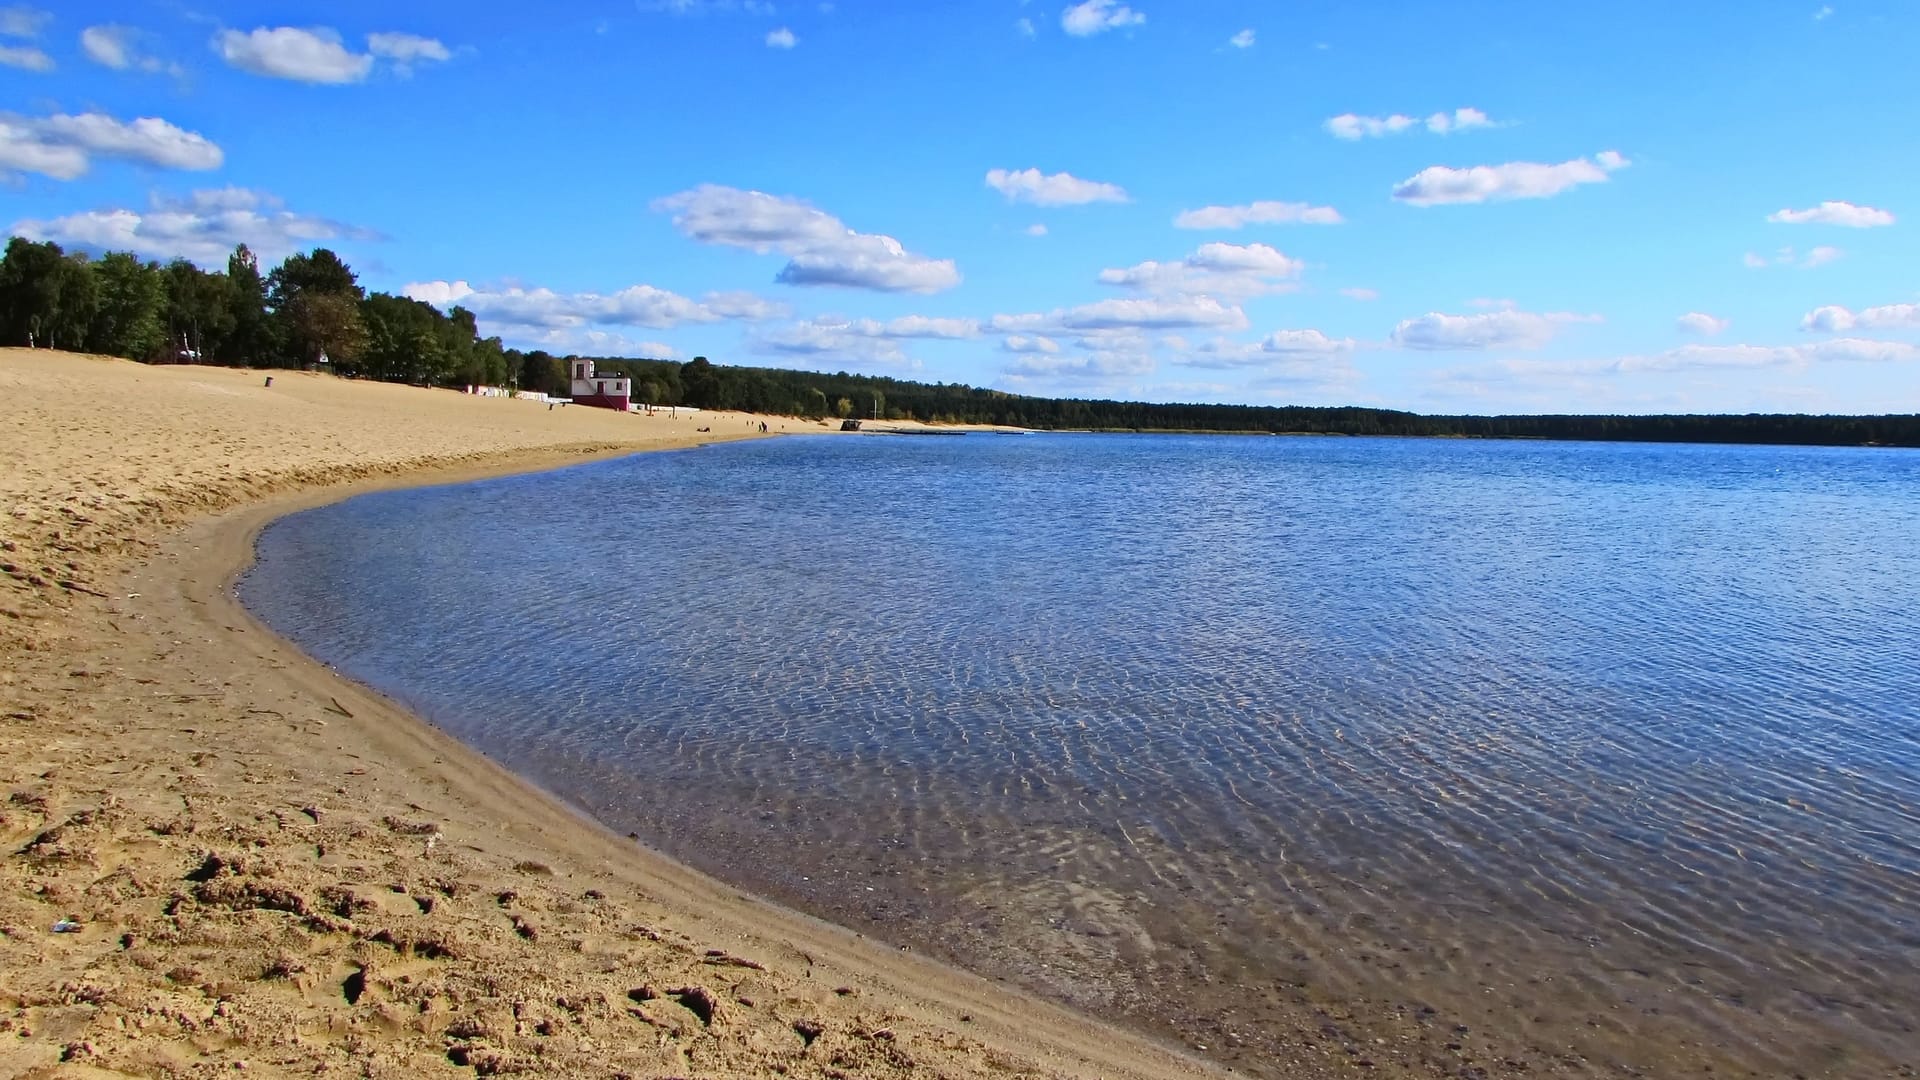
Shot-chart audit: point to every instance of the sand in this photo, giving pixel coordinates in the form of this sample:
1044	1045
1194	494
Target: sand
266	867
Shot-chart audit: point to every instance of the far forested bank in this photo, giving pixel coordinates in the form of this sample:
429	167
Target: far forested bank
311	310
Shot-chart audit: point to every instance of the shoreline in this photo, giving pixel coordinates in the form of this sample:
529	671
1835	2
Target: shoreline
272	864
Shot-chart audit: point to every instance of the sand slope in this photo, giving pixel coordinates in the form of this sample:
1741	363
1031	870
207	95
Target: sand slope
272	867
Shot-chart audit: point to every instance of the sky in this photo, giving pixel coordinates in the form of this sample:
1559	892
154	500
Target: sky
1445	207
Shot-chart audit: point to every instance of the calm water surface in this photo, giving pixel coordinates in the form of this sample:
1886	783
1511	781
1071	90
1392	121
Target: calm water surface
1607	754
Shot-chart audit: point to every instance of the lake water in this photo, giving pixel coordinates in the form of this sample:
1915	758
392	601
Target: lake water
1581	758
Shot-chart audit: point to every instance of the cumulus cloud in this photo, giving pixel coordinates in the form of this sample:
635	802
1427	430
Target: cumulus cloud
1787	256
1036	229
1506	329
26	58
820	248
635	305
1257	213
863	339
1696	322
1282	347
21	21
202	228
406	50
1098	16
122	48
1150	313
1242	40
1029	343
1834	319
1220	269
318	55
782	38
1352	127
1360	294
709	7
1060	189
1101	365
63	147
1844	214
1439	185
1695	358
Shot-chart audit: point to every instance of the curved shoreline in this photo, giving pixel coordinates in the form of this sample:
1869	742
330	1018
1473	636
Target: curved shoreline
217	552
269	864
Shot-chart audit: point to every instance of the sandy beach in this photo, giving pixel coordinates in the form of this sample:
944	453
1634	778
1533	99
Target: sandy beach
221	856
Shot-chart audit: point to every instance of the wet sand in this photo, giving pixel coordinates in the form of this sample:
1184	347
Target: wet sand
255	863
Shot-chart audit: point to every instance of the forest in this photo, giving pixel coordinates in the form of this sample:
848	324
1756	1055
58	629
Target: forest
311	310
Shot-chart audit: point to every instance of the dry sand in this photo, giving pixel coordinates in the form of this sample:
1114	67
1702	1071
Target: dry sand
270	868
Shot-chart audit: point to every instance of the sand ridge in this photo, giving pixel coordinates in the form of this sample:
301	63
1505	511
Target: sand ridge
268	867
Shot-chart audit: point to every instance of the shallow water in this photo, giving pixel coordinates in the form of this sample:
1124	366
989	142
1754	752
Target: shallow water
1607	754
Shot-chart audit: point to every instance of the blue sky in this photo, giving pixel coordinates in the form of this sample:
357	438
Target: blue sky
1448	207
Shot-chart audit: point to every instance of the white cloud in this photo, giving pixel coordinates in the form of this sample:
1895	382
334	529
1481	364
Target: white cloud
1459	120
1024	26
583	341
1844	214
202	228
1696	358
1242	40
740	304
1029	343
821	250
782	38
864	339
545	309
406	50
1504	329
1155	313
1787	256
63	147
317	55
121	48
26	58
1096	366
289	52
21	21
1278	349
441	294
1258	213
1060	189
1696	322
1439	185
1360	294
1098	16
1351	126
1229	270
1824	11
1834	319
713	7
1036	229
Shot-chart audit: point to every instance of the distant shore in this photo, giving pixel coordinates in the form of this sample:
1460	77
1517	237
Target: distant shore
254	861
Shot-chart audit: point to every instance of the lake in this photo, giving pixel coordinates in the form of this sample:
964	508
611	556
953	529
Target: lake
1589	758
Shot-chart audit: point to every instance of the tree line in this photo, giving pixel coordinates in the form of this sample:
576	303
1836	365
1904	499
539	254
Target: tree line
311	309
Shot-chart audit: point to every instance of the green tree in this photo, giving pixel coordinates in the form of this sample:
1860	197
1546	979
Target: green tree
129	308
253	341
198	316
843	408
700	385
315	299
